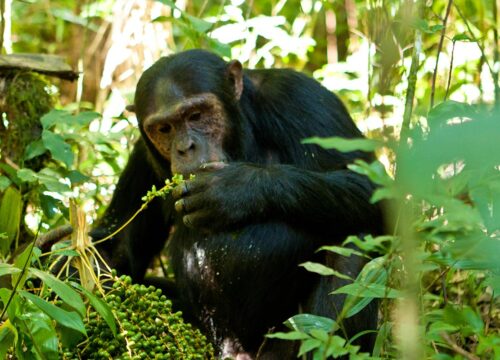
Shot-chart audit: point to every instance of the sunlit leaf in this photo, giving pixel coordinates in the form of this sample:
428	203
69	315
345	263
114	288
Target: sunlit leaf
65	318
100	306
59	149
307	322
8	269
8	337
462	37
34	149
199	25
64	291
4	183
344	251
308	345
10	217
343	144
323	270
294	335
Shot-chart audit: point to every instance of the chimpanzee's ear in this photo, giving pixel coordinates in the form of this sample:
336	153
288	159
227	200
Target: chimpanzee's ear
130	108
235	73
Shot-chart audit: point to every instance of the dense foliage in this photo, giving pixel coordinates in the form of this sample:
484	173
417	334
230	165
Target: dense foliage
421	80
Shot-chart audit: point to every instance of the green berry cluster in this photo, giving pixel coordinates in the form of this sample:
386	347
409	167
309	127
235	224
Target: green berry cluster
147	328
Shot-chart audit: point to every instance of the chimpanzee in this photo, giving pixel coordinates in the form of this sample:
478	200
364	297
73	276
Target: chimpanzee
261	202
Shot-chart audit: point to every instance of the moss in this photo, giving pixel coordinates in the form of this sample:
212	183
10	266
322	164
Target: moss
24	98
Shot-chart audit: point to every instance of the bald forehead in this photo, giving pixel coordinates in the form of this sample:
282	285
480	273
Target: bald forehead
167	93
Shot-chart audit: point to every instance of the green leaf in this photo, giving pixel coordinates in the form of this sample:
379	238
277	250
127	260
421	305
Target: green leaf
336	346
27	175
375	171
383	334
10	217
221	49
34	149
344	251
23	261
65	318
373	273
323	270
320	334
50	179
7	295
293	335
8	269
462	37
66	252
199	25
53	117
304	323
162	18
100	306
384	194
369	290
65	292
436	28
77	177
8	338
59	149
43	341
83	119
4	183
308	345
493	281
343	144
420	24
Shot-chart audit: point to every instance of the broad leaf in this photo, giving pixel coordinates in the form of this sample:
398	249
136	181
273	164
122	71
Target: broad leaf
10	217
59	149
307	322
294	335
65	318
8	269
100	306
65	292
323	270
343	144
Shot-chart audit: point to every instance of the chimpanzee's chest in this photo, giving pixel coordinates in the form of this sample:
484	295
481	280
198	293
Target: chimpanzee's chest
224	268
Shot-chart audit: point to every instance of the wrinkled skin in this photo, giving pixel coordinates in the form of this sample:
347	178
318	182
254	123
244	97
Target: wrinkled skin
261	202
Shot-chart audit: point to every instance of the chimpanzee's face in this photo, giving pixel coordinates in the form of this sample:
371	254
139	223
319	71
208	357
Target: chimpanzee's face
187	131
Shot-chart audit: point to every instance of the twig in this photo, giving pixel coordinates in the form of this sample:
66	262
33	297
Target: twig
448	84
11	163
21	274
412	79
483	56
457	348
496	53
440	47
2	23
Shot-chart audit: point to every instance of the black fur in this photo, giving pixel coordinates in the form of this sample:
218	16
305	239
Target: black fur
277	201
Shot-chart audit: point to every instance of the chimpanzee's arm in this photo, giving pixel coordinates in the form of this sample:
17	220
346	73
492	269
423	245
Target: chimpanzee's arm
132	249
336	202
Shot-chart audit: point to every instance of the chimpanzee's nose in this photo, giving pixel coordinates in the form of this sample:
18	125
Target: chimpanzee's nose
185	146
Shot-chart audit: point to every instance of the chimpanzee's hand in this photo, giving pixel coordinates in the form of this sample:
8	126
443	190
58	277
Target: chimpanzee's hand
222	197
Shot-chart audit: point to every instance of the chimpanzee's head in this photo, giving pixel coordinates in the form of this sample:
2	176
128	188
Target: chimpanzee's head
188	112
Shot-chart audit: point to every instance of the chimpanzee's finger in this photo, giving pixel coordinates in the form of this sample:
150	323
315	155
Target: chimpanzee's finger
198	219
189	204
187	187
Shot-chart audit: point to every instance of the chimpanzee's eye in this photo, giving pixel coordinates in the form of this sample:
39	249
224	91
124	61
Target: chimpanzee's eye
165	129
195	116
